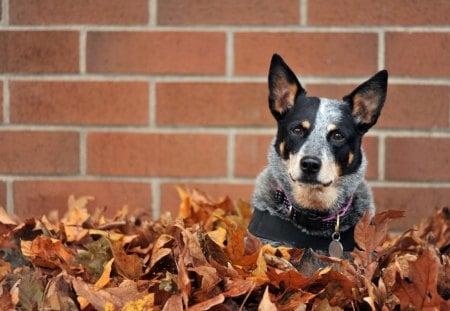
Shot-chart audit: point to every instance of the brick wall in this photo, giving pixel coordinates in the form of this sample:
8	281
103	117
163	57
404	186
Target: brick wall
124	100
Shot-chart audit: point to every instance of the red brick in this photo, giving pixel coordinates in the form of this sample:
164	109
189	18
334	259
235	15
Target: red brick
66	102
370	147
384	12
37	198
234	12
39	152
213	104
251	154
3	195
1	101
170	201
156	52
42	12
418	54
326	54
416	106
39	51
337	91
157	154
417	202
424	159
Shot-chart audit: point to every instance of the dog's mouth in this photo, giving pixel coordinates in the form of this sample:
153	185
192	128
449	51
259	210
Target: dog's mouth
312	182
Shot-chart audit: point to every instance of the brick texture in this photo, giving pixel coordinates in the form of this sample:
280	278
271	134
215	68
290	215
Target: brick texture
1	101
156	52
418	54
384	12
157	154
416	202
113	98
230	12
35	198
421	159
66	102
41	12
170	201
39	51
327	54
39	152
416	106
213	104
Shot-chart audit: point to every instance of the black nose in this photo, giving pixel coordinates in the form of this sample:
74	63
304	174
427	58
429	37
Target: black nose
310	165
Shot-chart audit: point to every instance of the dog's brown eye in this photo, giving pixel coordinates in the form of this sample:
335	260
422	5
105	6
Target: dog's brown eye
298	131
337	136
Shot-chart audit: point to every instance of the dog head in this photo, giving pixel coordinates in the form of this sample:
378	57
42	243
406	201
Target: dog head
319	139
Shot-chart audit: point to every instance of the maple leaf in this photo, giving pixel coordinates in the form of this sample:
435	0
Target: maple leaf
420	289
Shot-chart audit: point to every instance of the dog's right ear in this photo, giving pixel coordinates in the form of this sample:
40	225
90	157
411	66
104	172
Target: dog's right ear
283	87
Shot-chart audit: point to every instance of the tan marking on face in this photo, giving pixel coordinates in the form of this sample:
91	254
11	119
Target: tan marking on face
282	147
315	197
331	127
350	158
306	124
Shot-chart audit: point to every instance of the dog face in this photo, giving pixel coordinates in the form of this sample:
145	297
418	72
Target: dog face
319	139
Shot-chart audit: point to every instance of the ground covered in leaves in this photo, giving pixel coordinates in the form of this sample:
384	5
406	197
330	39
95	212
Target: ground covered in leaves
206	260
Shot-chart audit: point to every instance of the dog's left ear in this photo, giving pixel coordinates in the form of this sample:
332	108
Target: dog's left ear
283	87
367	100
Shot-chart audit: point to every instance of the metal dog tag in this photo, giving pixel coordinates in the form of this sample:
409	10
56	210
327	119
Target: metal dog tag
335	249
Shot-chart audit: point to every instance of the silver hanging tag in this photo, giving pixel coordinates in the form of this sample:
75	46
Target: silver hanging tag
335	248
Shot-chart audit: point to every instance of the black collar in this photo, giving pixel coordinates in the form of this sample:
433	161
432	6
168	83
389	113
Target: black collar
311	220
271	227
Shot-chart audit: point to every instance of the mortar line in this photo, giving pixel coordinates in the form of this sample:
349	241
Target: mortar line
156	198
234	28
303	12
229	54
9	196
5	13
152	104
381	50
218	79
6	102
153	12
82	51
222	130
381	157
231	147
205	180
83	152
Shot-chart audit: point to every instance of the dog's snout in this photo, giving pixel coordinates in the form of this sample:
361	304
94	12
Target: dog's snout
310	165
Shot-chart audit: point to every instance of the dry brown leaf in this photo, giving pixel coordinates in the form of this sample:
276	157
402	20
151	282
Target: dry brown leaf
127	265
208	304
420	290
266	304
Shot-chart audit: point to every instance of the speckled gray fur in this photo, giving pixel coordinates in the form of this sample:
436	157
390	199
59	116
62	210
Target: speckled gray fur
267	183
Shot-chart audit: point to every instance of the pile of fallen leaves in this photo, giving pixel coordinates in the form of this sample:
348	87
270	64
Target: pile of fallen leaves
206	260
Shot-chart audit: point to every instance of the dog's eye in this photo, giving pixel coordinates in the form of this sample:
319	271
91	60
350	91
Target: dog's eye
298	131
337	136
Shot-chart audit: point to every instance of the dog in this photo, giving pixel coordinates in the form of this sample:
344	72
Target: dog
313	191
